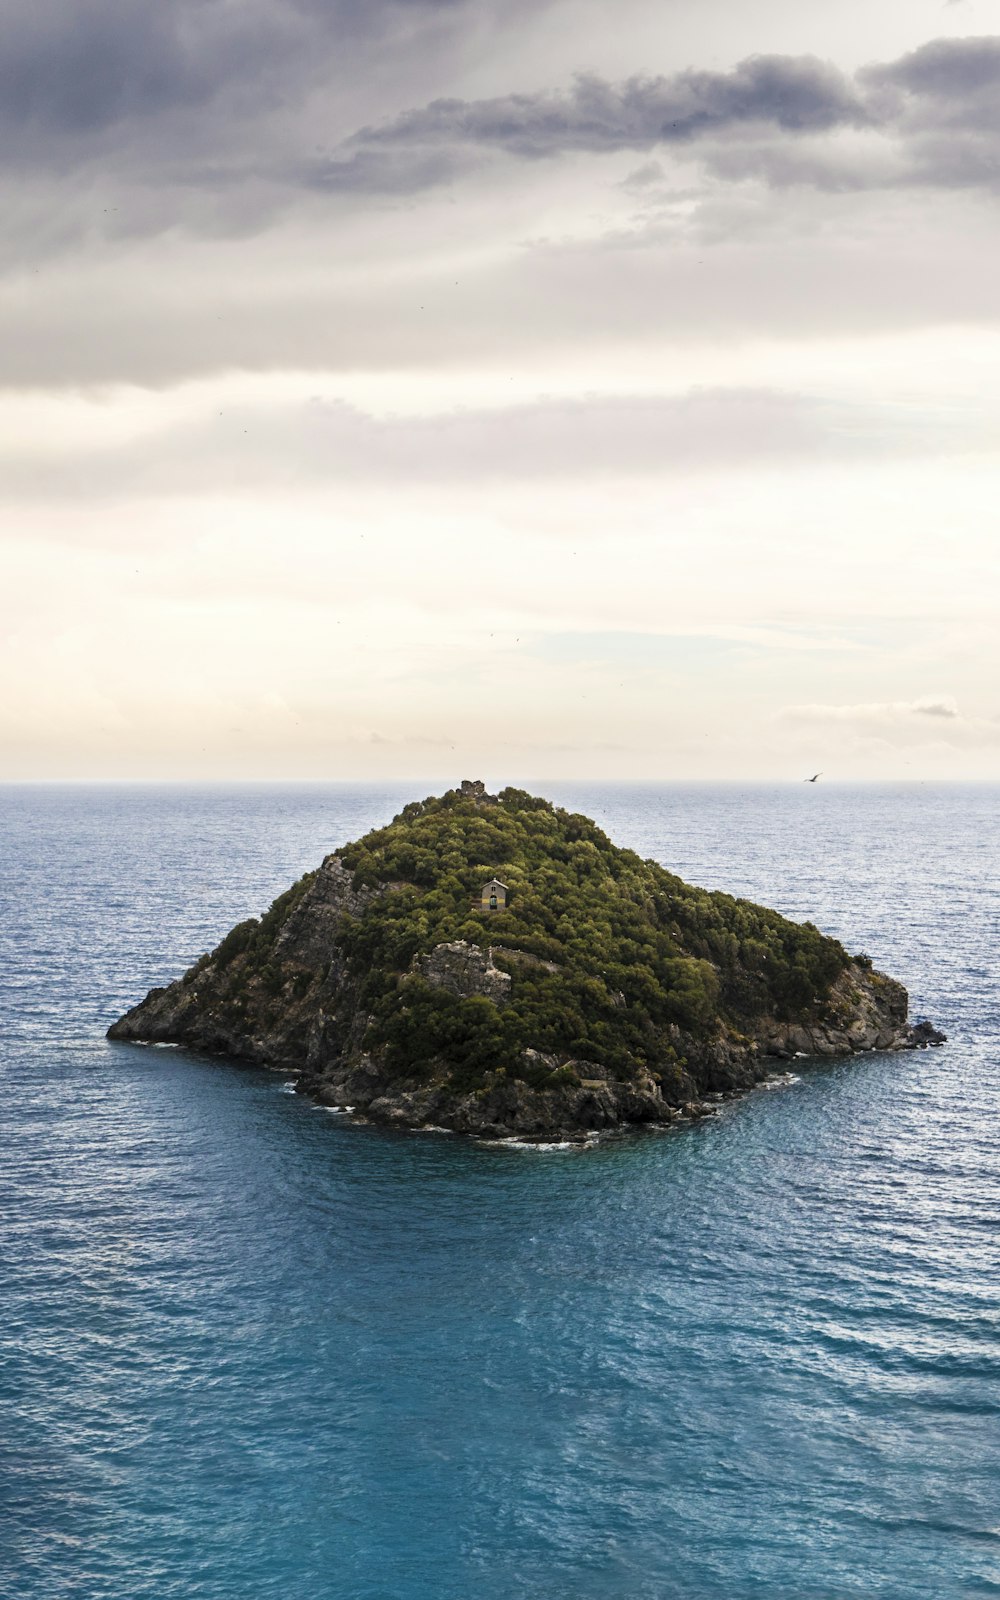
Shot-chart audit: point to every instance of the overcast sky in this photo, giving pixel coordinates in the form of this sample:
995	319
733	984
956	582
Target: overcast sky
445	388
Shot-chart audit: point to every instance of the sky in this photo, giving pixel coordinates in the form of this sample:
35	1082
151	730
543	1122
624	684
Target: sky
503	388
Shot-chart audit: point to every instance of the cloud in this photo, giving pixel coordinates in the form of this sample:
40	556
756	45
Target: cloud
140	168
211	94
791	94
206	94
935	708
794	93
78	69
947	85
320	442
69	74
218	120
947	71
875	713
928	720
123	121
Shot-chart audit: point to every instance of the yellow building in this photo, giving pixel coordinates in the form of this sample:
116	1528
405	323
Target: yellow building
494	897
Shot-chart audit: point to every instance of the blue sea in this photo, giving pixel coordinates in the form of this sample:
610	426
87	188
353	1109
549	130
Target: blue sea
251	1352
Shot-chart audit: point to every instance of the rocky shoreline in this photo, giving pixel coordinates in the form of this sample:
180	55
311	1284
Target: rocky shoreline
717	1070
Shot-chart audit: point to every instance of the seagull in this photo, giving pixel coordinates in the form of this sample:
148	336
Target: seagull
813	778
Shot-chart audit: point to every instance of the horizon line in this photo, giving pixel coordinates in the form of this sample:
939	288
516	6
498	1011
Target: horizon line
399	782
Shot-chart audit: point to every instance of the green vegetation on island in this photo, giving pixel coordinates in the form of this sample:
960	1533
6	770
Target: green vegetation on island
622	948
601	989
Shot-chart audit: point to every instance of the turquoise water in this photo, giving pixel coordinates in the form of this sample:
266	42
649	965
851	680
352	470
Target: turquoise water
249	1351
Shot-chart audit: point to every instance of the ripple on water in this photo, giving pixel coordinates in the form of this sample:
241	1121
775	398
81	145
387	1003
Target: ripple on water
253	1351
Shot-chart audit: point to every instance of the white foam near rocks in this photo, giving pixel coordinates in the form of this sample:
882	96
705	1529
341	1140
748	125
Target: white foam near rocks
538	1144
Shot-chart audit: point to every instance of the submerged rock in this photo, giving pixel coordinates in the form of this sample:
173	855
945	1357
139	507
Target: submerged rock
606	991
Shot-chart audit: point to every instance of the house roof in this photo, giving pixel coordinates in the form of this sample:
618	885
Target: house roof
494	882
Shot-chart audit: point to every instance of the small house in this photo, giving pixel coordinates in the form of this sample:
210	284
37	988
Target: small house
494	896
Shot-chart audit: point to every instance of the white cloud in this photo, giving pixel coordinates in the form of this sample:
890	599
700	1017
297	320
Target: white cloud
877	714
930	721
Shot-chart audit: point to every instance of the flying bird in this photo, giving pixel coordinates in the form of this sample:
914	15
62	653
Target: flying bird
813	778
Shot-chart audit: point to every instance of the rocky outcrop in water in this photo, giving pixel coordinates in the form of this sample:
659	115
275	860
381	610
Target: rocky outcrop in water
607	992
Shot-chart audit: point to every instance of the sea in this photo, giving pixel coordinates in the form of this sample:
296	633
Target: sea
252	1351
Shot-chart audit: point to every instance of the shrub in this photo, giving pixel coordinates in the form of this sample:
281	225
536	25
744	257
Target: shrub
636	950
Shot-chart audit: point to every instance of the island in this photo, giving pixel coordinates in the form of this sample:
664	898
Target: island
496	966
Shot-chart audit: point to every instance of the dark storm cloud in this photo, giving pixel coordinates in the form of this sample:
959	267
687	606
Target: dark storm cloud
123	119
942	103
77	69
379	172
793	93
81	67
766	107
203	76
944	70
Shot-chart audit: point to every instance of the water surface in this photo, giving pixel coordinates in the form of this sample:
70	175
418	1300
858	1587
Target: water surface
250	1351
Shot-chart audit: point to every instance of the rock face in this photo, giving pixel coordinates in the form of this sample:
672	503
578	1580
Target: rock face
463	969
346	983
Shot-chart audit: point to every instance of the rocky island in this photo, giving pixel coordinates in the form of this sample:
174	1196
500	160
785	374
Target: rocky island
495	965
